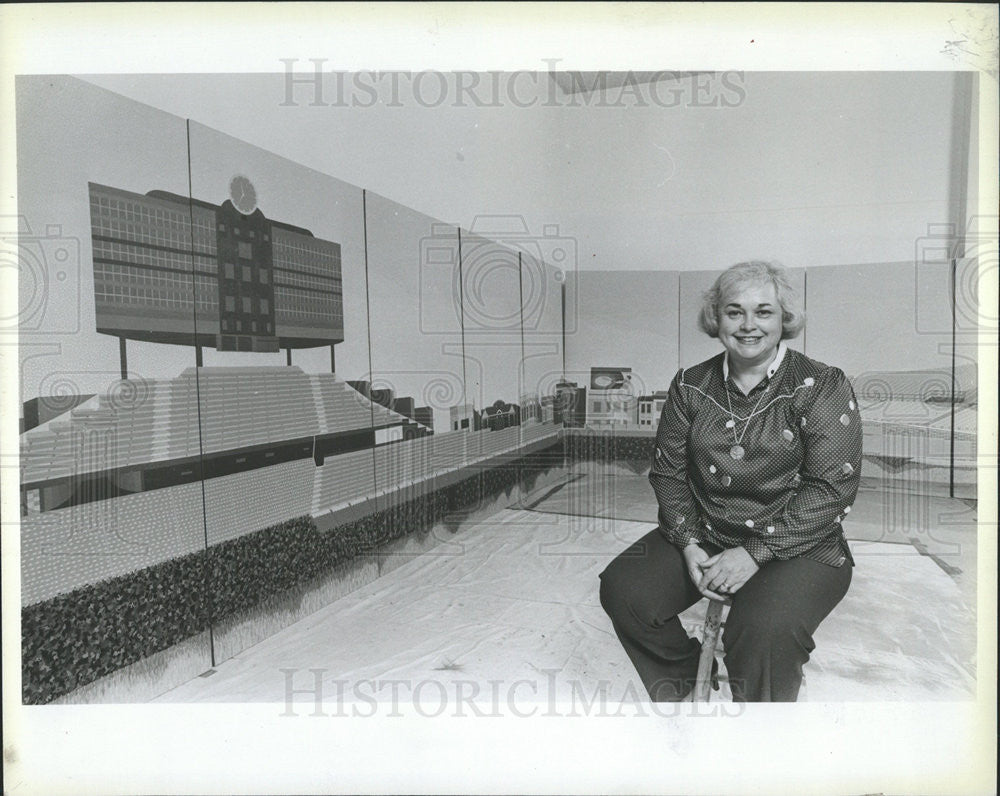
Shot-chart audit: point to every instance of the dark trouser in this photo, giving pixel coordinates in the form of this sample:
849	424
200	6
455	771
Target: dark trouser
768	633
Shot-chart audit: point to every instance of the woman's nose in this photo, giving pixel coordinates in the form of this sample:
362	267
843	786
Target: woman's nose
747	323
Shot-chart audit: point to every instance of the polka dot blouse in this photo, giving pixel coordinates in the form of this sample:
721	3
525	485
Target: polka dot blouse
775	471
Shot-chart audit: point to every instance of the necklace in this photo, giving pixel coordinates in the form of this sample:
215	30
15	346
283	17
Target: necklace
738	451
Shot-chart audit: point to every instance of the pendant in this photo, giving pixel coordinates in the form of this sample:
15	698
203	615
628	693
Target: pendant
737	451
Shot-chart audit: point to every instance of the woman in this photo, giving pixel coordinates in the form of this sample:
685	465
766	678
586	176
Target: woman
757	462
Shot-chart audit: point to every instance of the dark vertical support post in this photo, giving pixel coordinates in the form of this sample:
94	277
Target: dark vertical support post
461	318
565	425
521	376
333	359
123	357
951	441
368	328
679	363
961	151
206	601
522	371
197	357
805	306
288	356
562	296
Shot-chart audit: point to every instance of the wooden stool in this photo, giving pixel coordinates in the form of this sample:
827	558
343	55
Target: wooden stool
710	640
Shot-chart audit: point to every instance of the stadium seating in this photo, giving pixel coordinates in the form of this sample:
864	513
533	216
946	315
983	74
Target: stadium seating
204	410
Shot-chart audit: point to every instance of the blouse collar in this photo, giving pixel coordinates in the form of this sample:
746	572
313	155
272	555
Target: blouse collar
771	369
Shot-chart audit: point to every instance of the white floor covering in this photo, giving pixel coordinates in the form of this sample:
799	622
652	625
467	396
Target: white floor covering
507	613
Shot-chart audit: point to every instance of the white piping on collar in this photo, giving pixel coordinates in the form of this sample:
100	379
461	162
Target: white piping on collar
771	369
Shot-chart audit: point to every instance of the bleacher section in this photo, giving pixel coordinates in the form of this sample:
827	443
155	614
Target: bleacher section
140	422
241	407
341	407
103	433
144	423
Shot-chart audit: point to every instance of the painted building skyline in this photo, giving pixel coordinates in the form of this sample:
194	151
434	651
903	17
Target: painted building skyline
612	400
570	406
650	407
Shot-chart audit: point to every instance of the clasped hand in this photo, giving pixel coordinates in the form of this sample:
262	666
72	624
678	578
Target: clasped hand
720	576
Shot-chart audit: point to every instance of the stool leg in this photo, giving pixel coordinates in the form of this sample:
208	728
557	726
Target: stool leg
713	621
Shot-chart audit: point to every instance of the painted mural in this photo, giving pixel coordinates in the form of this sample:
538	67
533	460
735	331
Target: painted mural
284	392
248	387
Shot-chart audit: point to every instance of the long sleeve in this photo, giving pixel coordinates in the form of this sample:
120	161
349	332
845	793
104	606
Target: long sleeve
829	476
678	513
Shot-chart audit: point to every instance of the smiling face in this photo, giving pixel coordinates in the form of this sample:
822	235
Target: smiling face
750	323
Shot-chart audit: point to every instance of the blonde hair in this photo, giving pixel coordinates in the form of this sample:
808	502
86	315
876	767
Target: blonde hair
793	318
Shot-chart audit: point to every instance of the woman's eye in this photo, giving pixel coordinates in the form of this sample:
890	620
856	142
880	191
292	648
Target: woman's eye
764	313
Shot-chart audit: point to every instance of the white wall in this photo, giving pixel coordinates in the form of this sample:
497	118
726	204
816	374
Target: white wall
811	168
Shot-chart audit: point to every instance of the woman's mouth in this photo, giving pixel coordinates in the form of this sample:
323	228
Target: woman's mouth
750	340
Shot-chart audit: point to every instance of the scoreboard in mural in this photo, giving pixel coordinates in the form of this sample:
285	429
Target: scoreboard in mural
169	269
